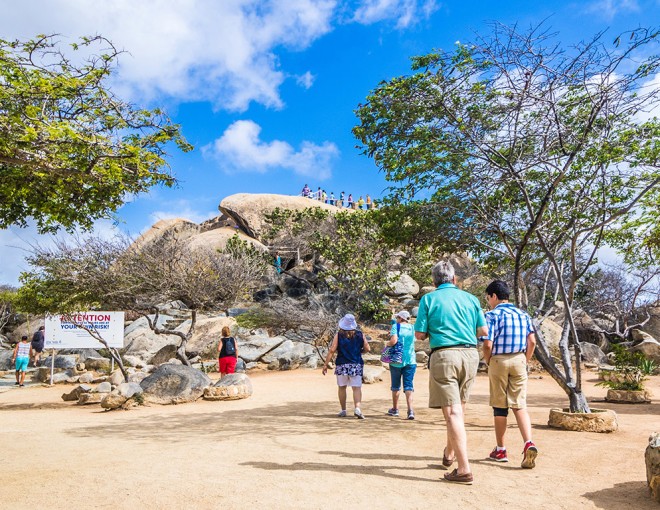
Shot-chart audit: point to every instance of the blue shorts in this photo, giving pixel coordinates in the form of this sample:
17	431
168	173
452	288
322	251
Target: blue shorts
407	372
22	363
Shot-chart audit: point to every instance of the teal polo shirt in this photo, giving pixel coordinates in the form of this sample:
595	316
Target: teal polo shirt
450	316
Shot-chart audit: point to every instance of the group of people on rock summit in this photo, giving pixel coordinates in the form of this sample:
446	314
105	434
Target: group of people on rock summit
342	200
454	322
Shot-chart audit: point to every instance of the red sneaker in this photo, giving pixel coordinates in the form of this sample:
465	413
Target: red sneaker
529	455
498	456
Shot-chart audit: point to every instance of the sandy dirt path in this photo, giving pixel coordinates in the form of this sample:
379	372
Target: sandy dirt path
284	448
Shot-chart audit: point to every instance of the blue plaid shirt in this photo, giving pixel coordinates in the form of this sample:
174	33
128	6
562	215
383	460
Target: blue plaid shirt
508	328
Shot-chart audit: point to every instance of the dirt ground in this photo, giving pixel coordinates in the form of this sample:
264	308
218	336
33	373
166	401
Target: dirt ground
284	448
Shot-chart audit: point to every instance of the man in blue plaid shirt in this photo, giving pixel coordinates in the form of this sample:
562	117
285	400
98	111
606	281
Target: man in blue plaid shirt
507	350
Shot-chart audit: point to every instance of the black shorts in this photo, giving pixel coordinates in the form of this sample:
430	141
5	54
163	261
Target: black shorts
38	348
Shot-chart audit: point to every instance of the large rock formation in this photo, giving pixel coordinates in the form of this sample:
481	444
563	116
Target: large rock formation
249	210
173	228
216	239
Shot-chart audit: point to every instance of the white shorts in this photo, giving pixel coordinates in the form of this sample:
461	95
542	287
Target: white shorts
349	380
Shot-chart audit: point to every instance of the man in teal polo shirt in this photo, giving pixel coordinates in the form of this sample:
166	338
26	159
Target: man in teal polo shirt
452	319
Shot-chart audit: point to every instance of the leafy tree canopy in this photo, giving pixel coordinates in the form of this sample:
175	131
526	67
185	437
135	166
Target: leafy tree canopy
70	150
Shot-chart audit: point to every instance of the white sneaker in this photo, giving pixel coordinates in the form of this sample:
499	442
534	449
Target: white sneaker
358	414
342	414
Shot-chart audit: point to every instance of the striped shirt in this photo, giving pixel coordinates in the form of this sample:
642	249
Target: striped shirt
508	328
23	350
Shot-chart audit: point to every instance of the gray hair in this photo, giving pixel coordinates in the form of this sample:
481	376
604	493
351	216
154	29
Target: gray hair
442	272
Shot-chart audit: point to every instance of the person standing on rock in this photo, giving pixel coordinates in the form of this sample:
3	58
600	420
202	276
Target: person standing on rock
404	333
38	342
227	353
21	357
452	320
349	201
349	343
507	351
277	259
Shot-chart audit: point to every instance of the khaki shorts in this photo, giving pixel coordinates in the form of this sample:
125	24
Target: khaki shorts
508	380
451	374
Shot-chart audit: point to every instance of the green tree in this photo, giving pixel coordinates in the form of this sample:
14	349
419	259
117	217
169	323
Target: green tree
526	153
70	150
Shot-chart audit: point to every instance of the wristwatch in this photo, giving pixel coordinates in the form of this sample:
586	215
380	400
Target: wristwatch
483	338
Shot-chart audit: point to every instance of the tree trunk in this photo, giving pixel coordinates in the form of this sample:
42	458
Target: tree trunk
566	353
577	400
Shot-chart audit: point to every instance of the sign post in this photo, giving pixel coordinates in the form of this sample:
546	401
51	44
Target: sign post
65	332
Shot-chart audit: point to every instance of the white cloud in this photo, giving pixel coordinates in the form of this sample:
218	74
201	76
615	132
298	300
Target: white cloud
405	12
241	149
608	9
306	80
223	51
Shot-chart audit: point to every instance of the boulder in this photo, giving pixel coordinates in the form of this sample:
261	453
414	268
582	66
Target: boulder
293	287
90	398
230	387
652	327
592	354
142	343
113	401
402	284
649	348
174	384
628	396
116	378
425	290
102	364
208	331
652	458
129	389
64	361
104	387
372	374
75	393
640	336
249	210
165	353
598	420
142	323
82	354
137	377
422	358
87	377
414	311
551	332
289	355
254	347
5	360
216	240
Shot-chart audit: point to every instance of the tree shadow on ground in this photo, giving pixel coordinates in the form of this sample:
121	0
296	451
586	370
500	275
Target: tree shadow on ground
623	495
29	406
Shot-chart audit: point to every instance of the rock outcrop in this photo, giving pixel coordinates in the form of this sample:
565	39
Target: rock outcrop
652	458
249	210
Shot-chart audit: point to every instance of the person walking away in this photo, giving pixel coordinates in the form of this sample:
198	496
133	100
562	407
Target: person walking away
21	357
508	348
318	193
349	343
368	202
332	198
277	260
452	320
349	201
324	197
227	353
360	202
38	343
403	332
342	197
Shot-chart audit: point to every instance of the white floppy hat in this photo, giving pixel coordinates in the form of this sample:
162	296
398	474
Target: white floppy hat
404	315
347	322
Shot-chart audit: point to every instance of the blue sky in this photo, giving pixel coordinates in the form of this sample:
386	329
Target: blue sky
265	90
